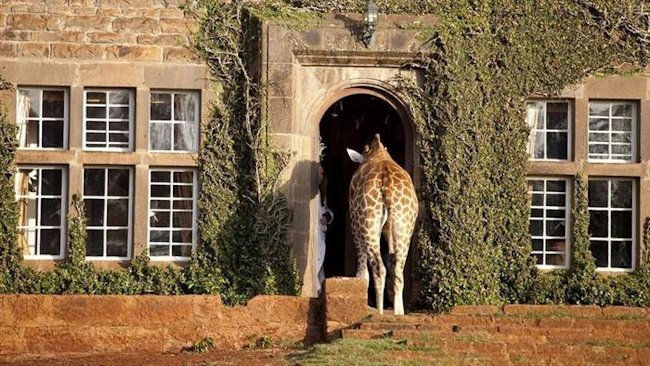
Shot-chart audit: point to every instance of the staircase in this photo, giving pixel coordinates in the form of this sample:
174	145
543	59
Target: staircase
518	334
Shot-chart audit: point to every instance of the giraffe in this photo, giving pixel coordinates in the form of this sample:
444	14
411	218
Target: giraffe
382	199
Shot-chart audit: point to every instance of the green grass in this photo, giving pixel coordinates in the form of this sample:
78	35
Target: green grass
371	352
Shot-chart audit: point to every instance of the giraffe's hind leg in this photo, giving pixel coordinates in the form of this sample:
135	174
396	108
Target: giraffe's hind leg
402	240
378	274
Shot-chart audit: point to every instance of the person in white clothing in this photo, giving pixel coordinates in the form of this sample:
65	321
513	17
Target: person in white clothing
325	217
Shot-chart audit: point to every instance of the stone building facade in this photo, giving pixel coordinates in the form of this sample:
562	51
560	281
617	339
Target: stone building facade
125	96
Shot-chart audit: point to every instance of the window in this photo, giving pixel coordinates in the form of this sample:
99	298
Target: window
549	124
107	197
172	213
42	118
612	130
548	221
611	225
40	193
174	121
108	120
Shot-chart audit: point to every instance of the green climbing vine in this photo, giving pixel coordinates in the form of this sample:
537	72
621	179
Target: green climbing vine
484	58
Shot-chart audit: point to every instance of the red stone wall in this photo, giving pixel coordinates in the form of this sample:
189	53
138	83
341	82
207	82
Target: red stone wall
120	30
54	325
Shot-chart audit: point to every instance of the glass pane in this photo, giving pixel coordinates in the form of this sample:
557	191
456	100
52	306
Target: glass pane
538	199
119	138
598	224
183	191
184	177
159	190
95	126
184	236
622	124
119	113
96	98
116	243
117	212
622	110
119	126
555	228
622	149
539	258
50	242
598	193
556	186
157	204
184	137
622	254
599	137
53	134
27	239
183	205
556	213
621	194
160	176
159	219
539	145
31	102
184	107
556	143
536	185
32	135
51	182
160	136
159	236
182	219
95	245
93	137
599	251
182	250
599	109
557	116
555	245
159	250
622	137
94	211
555	200
94	182
538	245
598	124
598	149
51	211
31	213
118	182
536	227
95	112
621	224
161	107
555	260
53	104
536	212
119	97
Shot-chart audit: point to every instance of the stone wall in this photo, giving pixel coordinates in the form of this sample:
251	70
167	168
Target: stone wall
120	30
56	325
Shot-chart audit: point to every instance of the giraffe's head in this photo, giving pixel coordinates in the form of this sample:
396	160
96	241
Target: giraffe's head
375	148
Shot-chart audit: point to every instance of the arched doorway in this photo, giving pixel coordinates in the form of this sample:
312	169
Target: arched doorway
350	121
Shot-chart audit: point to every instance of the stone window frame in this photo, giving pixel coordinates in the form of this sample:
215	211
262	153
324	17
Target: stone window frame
171	229
105	227
22	120
545	130
173	122
568	193
63	214
633	222
634	142
108	120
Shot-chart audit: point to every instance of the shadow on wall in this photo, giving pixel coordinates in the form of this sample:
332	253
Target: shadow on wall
300	189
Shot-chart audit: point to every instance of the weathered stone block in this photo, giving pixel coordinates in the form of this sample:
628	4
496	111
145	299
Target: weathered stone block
176	25
15	35
163	39
60	36
134	53
8	49
139	25
83	22
81	51
345	300
27	21
180	54
110	37
33	50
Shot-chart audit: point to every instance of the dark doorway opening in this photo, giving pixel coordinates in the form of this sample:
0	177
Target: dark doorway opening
351	122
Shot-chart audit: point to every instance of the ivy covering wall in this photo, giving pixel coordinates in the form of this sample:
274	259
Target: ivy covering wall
487	57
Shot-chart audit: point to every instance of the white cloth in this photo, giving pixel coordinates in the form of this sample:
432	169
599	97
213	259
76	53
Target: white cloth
321	230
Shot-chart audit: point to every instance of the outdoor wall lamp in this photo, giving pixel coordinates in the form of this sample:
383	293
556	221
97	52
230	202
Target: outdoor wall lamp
370	17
